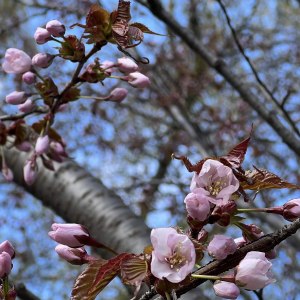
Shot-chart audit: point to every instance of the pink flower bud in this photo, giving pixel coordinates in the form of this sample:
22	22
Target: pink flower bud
107	67
42	35
291	210
24	146
56	28
240	242
29	78
253	272
173	255
42	144
5	264
198	207
117	95
68	234
7	247
75	256
138	80
221	246
16	61
27	106
126	65
42	60
30	172
16	98
227	290
251	232
7	173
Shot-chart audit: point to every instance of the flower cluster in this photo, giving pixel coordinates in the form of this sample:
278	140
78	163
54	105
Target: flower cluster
71	239
48	100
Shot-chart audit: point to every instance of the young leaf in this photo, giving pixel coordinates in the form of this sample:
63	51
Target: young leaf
236	155
260	179
144	28
85	281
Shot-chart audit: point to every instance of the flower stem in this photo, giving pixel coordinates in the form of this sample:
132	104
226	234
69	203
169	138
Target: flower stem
251	210
210	277
93	98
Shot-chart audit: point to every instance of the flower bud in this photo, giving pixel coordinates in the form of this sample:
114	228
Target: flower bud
75	256
291	210
15	98
7	247
29	78
42	144
7	173
117	95
30	172
240	242
24	146
42	35
42	60
126	65
107	67
138	80
55	28
69	234
227	290
221	246
16	61
5	264
27	106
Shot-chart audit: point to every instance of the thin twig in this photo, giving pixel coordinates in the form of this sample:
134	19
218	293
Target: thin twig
254	71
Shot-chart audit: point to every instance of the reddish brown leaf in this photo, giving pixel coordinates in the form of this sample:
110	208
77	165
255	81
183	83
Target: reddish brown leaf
106	273
134	270
85	281
123	11
236	155
260	179
97	16
71	94
40	125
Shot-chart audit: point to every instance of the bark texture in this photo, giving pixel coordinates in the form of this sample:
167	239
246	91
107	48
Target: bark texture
78	197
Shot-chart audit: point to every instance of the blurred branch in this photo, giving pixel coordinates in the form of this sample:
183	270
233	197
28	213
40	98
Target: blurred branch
255	73
245	91
24	294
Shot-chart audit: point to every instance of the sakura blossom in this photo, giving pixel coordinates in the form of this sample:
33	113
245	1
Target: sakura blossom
173	255
215	182
55	28
291	210
221	246
227	290
16	61
253	272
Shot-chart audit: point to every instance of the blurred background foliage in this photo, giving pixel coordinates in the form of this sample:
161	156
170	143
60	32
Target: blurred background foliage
189	110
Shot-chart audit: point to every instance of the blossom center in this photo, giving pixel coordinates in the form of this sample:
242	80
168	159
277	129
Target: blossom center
215	187
177	259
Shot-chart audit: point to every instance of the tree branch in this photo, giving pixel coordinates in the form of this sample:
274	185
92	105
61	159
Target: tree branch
245	91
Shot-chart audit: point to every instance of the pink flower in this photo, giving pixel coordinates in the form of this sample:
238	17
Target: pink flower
16	61
138	80
173	255
291	210
197	207
216	182
68	234
42	60
240	242
7	173
29	78
25	146
126	65
253	272
42	35
42	144
227	290
221	246
30	172
75	256
56	28
107	67
117	95
15	98
7	247
5	264
27	106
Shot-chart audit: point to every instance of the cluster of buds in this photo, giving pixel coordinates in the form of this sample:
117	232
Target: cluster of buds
7	254
72	238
